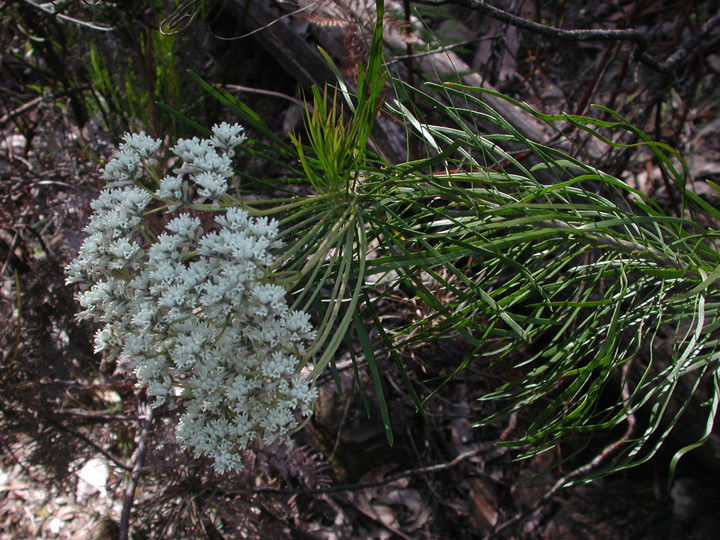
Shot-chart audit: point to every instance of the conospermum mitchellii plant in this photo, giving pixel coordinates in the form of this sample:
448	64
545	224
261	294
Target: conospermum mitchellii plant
549	268
194	307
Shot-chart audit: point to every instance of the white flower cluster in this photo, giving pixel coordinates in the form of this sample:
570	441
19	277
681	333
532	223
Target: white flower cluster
194	307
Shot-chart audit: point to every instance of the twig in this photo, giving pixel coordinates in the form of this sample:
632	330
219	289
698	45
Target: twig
431	52
87	440
584	34
691	44
43	7
482	448
268	25
343	421
138	459
38	100
21	109
265	93
10	451
98	415
11	252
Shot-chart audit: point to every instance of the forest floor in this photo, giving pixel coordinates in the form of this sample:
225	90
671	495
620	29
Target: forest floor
71	423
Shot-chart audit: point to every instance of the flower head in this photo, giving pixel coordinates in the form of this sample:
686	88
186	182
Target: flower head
193	306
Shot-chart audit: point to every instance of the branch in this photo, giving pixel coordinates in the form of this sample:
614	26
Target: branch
482	448
139	459
691	44
87	440
586	34
550	31
55	13
4	119
266	93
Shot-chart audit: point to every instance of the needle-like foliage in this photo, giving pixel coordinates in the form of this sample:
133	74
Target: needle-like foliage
566	280
575	279
592	305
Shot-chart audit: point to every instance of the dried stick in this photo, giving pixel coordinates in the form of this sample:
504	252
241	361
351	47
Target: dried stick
87	440
265	93
691	44
44	7
482	448
11	253
586	34
138	459
550	31
4	119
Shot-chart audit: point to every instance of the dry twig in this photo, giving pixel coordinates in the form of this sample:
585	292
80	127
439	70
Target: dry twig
138	460
480	449
583	34
586	34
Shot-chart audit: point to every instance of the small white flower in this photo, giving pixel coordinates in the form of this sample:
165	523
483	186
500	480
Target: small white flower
104	340
211	185
144	145
124	249
123	169
270	295
191	306
185	227
220	164
279	365
264	227
191	149
298	322
160	389
227	137
171	187
234	219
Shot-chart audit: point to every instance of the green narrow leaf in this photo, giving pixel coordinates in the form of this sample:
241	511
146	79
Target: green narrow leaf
398	361
709	424
368	352
248	116
185	119
356	375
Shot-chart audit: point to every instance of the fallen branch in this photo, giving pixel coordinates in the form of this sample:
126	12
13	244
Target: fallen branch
87	440
584	34
4	119
482	448
588	34
690	45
